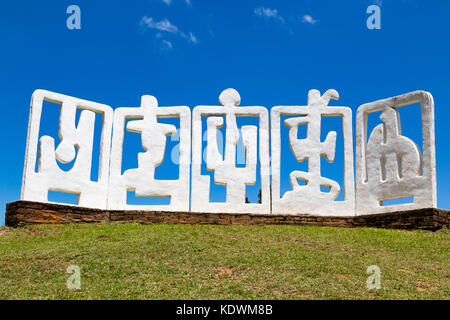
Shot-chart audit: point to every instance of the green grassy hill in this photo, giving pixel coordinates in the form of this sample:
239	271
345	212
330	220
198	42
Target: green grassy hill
131	261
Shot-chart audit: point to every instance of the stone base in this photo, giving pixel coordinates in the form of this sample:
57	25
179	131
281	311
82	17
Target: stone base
20	213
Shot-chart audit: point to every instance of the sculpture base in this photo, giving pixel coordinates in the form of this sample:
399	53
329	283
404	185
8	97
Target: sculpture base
20	213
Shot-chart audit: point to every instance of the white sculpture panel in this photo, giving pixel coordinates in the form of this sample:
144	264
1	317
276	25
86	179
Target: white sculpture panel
154	136
308	198
390	166
225	171
76	144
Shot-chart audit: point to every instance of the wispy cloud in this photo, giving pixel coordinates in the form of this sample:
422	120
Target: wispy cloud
169	2
269	14
378	2
192	38
168	44
189	37
309	19
166	26
163	25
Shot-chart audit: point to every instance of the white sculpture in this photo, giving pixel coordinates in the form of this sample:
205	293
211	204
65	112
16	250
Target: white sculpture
142	179
225	170
308	198
389	165
76	144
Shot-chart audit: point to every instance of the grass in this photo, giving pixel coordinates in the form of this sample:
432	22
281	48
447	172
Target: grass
131	261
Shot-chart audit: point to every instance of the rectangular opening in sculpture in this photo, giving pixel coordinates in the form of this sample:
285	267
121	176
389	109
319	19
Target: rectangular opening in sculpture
132	199
132	146
218	192
98	126
169	169
63	197
396	201
48	124
411	125
302	132
332	167
288	161
251	190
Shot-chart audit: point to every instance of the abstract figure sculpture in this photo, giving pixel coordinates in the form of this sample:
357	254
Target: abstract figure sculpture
225	170
76	145
309	198
154	135
389	165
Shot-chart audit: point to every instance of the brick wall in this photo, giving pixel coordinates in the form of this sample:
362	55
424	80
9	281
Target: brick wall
26	212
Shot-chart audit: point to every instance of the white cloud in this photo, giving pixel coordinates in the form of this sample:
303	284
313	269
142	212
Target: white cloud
192	38
169	2
163	25
308	19
269	13
168	44
166	26
379	2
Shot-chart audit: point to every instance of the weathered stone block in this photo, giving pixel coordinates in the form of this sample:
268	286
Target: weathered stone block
25	212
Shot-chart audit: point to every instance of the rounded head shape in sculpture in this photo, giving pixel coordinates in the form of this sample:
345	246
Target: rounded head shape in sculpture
230	97
149	101
65	152
388	114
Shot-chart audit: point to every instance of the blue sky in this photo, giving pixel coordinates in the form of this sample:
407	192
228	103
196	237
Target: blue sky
187	52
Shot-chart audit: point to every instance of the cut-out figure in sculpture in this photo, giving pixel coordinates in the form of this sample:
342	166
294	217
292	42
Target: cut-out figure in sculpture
399	157
390	166
312	149
154	136
308	198
225	170
76	144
